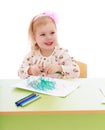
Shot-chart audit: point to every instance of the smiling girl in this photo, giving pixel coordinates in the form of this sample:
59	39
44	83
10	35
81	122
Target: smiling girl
46	58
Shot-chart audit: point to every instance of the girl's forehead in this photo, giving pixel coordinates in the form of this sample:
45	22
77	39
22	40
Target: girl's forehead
44	19
47	26
43	23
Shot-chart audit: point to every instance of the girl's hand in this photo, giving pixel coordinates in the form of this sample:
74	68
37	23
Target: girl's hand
52	69
34	70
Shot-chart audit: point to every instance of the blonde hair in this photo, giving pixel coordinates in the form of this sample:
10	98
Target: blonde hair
35	23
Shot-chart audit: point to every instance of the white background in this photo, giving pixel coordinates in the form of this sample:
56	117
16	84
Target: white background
81	29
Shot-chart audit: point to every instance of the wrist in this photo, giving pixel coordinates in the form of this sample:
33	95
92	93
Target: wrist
60	68
30	70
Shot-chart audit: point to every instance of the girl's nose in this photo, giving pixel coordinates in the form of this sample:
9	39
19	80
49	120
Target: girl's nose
48	37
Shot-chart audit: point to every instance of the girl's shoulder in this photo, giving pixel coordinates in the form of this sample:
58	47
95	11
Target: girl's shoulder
30	55
33	53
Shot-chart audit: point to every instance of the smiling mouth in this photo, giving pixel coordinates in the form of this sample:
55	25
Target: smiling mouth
49	43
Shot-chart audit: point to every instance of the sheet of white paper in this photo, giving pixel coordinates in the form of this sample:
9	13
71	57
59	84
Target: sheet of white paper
102	90
62	87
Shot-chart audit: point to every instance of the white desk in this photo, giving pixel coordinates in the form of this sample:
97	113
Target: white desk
86	98
81	110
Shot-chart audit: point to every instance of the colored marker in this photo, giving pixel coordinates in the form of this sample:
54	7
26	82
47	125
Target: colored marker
30	100
58	72
25	98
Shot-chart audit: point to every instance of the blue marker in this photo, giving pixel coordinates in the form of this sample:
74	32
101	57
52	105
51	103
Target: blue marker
27	99
30	100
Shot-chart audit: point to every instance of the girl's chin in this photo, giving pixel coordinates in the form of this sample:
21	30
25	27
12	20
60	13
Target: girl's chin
49	46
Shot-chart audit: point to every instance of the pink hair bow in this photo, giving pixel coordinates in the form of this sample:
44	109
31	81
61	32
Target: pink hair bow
47	13
52	15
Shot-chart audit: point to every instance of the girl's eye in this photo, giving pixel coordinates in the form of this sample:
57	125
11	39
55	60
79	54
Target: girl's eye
42	34
52	32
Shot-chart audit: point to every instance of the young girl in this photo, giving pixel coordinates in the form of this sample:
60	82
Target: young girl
46	57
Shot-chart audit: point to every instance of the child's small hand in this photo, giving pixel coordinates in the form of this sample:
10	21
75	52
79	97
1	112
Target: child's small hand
34	70
52	69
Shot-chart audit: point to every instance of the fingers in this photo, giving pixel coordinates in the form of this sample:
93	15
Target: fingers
36	73
46	69
35	70
50	69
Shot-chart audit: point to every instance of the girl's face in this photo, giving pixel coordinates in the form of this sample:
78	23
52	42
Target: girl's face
46	36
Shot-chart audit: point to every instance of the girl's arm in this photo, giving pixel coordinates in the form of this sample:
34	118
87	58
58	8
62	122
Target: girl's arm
23	70
70	68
